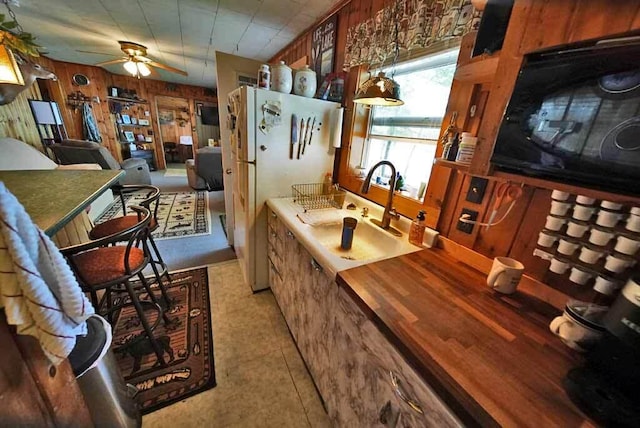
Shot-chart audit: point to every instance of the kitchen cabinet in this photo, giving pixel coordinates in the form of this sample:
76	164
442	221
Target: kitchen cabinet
361	377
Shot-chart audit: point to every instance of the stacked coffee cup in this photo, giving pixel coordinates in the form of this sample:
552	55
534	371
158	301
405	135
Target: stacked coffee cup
591	240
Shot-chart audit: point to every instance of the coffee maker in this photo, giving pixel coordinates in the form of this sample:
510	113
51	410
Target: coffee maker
606	386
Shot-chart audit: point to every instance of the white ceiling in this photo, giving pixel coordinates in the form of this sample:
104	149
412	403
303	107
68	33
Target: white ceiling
181	33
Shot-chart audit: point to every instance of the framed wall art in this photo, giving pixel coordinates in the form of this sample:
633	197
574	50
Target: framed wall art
323	47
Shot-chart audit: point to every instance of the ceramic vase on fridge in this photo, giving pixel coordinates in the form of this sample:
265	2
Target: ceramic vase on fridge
305	82
281	78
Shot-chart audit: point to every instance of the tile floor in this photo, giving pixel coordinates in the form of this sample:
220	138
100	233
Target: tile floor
261	378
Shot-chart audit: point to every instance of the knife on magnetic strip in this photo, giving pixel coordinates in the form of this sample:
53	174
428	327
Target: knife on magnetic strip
294	134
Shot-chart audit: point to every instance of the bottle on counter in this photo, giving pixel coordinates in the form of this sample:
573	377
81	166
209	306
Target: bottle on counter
264	77
453	150
416	232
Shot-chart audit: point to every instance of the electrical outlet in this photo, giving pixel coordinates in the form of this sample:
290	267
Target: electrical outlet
477	188
466	227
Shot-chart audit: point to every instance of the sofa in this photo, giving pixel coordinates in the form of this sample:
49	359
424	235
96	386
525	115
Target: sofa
205	171
70	152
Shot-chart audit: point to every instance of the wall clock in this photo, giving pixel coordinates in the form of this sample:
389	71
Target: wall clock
80	79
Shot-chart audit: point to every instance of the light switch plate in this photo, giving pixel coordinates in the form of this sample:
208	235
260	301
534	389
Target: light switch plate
466	227
477	189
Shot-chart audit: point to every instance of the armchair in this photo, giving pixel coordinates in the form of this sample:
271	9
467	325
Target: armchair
205	171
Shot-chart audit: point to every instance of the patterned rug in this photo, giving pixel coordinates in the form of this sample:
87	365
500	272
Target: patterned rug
180	214
187	343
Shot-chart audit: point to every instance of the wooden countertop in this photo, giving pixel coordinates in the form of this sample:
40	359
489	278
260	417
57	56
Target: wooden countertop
53	197
491	357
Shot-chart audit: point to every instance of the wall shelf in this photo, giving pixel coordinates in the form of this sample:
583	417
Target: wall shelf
482	70
451	164
127	100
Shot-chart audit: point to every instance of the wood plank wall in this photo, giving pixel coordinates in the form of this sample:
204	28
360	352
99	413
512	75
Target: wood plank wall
16	119
533	25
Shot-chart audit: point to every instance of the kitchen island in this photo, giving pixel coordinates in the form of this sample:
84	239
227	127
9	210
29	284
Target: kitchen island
418	338
53	198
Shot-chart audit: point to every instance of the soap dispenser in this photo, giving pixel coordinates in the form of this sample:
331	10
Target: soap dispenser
416	232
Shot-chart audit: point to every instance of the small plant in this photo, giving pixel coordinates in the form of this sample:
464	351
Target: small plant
21	41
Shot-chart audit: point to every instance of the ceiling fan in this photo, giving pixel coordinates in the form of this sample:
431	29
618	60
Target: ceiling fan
137	62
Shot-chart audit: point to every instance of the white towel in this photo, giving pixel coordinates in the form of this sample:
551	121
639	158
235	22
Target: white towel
38	290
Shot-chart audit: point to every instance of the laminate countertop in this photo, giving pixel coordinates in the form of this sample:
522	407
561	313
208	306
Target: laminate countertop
491	357
53	197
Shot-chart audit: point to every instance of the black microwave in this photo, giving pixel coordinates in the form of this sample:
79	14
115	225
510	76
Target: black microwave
574	117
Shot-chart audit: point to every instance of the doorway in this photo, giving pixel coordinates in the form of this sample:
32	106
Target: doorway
176	135
207	124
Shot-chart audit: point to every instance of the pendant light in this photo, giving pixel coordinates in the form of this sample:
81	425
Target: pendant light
143	69
382	90
9	70
131	67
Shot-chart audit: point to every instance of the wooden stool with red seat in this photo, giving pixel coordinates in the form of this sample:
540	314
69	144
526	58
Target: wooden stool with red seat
119	224
102	265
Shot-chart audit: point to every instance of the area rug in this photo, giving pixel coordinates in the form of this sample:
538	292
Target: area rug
180	214
187	343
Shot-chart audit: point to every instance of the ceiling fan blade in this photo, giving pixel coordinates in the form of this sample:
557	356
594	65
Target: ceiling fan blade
95	53
113	61
167	68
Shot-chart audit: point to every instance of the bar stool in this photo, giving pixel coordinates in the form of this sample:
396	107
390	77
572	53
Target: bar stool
102	265
118	224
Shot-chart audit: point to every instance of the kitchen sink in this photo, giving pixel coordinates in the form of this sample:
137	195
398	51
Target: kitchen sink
369	241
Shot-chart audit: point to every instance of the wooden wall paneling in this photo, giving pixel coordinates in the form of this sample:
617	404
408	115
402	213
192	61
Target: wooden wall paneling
22	404
57	386
16	119
192	127
158	145
499	239
452	185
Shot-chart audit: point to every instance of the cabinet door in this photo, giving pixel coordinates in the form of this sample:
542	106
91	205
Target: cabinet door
294	270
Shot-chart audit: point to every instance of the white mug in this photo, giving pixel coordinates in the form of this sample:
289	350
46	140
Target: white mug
608	218
576	229
558	266
585	200
613	206
626	245
600	236
606	285
618	263
579	276
546	239
634	210
554	223
559	207
557	195
590	255
573	333
582	212
633	223
567	247
505	274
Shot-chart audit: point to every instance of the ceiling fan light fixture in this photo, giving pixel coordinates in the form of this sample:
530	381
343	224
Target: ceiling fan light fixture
143	69
131	67
379	91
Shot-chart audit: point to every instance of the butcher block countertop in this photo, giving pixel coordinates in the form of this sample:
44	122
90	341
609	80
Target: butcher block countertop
491	357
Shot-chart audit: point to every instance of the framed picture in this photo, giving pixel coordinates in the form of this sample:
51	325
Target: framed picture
165	117
134	121
129	136
323	47
140	137
144	122
126	119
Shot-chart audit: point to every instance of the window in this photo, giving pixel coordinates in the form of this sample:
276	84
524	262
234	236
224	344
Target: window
407	136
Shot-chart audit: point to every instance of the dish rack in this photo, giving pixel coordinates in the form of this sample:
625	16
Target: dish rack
316	196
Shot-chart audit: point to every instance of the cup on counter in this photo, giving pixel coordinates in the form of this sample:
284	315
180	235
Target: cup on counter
505	274
348	226
633	223
600	236
608	218
580	325
627	245
557	195
613	206
577	228
559	208
583	212
579	275
554	222
547	238
634	210
590	254
567	247
585	200
606	285
559	266
617	262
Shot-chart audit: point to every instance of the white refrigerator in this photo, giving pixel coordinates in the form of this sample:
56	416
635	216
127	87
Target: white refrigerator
266	166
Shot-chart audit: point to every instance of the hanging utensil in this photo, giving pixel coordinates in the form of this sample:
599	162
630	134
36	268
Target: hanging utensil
301	137
306	134
313	125
294	134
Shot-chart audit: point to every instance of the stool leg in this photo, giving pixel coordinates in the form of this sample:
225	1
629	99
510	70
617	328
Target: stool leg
145	324
152	296
165	271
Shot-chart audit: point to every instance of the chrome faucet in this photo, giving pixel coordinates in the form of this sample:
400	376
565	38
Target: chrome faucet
389	211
